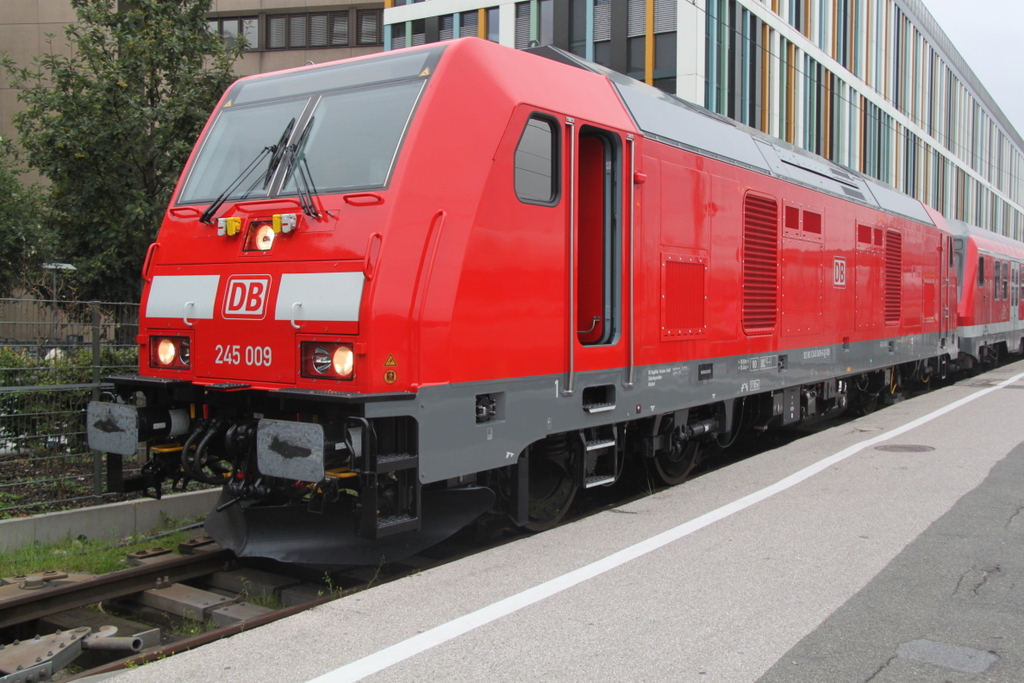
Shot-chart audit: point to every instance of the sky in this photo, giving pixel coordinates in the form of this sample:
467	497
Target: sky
989	35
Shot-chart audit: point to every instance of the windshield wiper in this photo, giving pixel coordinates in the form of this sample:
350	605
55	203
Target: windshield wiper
298	166
277	153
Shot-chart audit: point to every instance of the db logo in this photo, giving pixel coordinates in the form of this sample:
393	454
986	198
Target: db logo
839	272
246	296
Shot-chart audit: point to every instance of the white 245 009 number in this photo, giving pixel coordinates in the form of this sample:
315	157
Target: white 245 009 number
234	354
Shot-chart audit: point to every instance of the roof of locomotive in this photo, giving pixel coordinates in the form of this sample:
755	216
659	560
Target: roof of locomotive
668	119
988	238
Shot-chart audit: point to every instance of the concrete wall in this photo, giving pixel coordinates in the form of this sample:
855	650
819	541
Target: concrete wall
113	521
23	28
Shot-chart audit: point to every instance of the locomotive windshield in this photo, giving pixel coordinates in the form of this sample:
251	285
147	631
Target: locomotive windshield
349	118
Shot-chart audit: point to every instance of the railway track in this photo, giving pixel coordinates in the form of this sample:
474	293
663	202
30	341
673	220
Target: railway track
143	613
210	586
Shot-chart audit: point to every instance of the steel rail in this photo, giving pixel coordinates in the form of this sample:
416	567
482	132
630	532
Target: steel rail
40	603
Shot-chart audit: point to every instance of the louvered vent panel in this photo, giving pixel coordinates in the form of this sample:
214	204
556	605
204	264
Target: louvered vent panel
893	276
760	265
664	15
684	297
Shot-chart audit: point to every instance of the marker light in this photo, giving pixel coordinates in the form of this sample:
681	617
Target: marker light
327	360
284	222
170	352
229	226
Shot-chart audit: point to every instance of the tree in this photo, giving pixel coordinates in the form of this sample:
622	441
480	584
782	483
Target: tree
111	125
21	237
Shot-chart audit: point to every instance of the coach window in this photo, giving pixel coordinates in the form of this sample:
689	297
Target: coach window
995	281
536	162
1013	284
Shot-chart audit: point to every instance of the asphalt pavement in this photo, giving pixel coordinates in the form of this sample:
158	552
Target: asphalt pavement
888	548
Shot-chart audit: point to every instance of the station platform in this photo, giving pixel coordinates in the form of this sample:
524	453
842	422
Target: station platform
889	548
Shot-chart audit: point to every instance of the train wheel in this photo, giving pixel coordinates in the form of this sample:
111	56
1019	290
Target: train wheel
675	465
553	482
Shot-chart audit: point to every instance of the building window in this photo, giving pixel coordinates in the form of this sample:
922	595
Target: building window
603	32
446	27
534	28
470	24
398	36
493	24
369	22
297	31
231	28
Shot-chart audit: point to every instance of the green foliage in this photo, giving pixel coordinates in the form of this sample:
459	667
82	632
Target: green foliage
50	422
21	249
111	126
89	556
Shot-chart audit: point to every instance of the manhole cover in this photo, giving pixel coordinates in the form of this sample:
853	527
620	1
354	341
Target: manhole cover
904	448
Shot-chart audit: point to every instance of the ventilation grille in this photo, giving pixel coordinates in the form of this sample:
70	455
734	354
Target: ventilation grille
893	277
760	264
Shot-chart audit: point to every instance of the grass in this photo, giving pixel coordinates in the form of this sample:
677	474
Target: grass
90	556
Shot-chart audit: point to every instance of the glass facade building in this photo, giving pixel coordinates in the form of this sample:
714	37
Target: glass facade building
874	85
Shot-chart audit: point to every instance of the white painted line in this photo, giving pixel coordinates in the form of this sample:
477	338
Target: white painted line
438	635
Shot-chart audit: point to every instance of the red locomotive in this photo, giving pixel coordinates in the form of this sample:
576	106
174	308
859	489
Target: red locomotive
394	293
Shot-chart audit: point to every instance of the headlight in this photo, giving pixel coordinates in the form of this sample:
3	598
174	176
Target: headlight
260	237
343	360
327	360
170	352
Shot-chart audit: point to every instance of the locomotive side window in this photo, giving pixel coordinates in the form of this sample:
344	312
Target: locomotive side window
981	271
536	162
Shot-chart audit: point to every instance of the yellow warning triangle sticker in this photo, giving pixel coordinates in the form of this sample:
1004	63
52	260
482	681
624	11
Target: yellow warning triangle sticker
390	362
425	72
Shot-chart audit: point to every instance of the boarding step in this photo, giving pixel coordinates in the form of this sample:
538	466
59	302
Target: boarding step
396	462
396	523
599	407
603	480
599	444
601	454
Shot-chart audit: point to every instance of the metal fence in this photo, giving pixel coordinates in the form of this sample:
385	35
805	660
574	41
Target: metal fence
53	356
